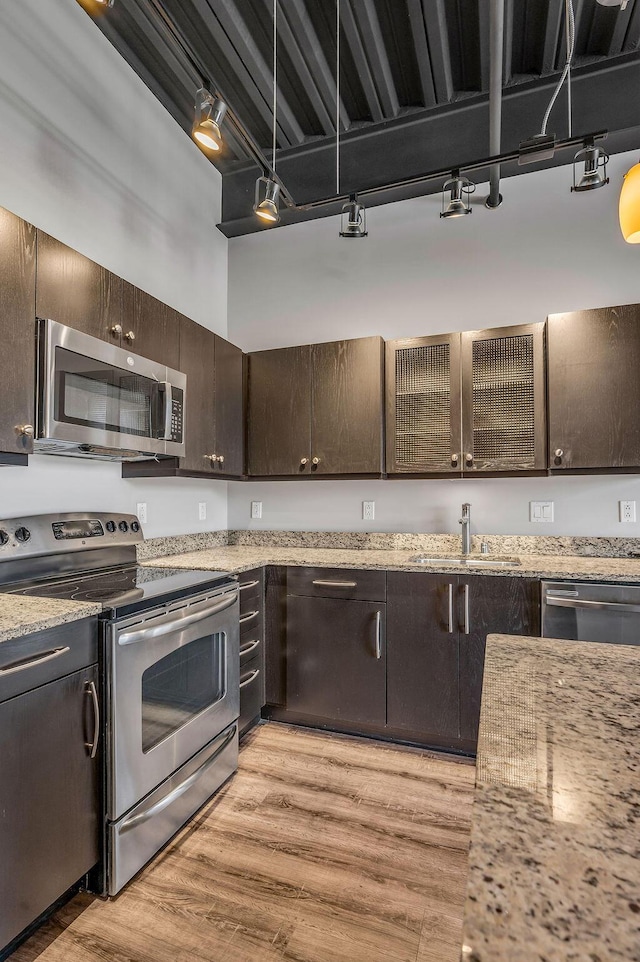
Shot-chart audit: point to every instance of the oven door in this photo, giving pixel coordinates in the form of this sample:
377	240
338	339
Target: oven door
173	686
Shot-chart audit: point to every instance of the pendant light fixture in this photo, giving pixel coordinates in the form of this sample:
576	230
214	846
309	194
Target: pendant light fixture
209	112
595	167
460	189
629	209
96	7
266	208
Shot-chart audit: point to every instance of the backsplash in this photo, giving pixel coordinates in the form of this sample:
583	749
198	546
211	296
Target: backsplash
450	544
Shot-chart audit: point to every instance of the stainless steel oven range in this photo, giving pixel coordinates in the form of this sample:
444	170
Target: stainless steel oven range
169	672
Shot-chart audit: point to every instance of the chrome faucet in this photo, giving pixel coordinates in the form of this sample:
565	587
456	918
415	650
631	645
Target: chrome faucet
465	521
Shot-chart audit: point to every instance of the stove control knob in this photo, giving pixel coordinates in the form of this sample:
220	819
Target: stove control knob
23	534
110	526
135	526
124	527
4	537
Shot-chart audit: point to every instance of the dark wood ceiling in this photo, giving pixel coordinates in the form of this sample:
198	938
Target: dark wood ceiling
414	77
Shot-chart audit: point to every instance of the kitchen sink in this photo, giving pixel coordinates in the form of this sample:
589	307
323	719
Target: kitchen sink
471	561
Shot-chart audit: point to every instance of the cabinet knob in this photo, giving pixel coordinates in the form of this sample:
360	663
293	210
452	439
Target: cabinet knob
455	458
468	458
315	460
211	457
24	430
558	452
304	461
116	330
221	458
130	337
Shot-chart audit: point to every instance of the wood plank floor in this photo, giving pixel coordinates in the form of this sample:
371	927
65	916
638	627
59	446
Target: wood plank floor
321	849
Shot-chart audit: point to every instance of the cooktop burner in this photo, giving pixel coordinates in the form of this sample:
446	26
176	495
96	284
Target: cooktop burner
117	587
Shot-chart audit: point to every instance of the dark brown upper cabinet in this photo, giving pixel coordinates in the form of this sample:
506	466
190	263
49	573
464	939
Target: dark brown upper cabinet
17	330
75	291
594	390
214	415
467	403
149	327
316	410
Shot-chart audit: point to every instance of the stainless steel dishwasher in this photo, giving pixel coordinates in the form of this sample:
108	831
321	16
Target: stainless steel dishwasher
591	611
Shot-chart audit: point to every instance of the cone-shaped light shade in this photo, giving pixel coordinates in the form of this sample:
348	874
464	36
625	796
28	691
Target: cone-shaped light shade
630	206
267	209
209	114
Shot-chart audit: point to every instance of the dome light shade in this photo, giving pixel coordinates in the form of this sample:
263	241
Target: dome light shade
629	209
353	219
209	112
267	208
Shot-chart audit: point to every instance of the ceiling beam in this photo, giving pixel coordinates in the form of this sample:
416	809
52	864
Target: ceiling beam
295	17
484	43
619	32
555	15
509	27
632	39
448	136
356	48
371	32
421	47
438	40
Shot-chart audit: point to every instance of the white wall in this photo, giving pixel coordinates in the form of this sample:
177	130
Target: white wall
88	154
544	251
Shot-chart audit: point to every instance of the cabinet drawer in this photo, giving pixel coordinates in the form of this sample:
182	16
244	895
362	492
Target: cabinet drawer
251	624
352	584
250	648
250	588
33	660
251	693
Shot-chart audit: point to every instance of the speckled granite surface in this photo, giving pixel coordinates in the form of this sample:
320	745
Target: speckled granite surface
382	541
238	558
554	869
20	615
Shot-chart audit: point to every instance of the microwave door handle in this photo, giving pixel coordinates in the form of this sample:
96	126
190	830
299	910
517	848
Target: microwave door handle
166	396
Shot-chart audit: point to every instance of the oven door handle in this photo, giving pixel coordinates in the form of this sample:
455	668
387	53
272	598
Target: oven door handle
180	789
558	602
177	624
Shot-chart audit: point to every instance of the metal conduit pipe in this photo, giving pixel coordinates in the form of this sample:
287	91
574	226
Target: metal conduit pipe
496	48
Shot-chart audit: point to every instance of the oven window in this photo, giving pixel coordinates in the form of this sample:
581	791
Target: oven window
180	686
97	395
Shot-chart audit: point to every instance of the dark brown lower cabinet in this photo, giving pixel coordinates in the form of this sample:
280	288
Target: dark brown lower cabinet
336	659
423	694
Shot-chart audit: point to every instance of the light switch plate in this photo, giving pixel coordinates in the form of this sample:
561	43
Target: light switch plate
541	511
256	510
368	510
141	511
202	510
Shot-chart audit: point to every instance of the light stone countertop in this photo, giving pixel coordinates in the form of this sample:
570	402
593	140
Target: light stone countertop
554	865
239	558
20	615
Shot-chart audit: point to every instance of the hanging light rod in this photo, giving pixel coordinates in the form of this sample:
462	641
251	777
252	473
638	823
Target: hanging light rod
505	158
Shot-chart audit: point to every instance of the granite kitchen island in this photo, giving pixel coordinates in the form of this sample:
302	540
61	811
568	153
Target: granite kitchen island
554	869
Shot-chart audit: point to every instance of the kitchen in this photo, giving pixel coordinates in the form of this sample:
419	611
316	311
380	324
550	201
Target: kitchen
102	168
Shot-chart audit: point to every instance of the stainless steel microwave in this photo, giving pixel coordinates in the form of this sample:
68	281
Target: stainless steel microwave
95	400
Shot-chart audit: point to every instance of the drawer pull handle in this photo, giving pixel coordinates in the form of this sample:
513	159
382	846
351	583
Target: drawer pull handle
248	584
450	609
252	677
35	660
93	744
336	584
467	622
249	616
378	635
249	646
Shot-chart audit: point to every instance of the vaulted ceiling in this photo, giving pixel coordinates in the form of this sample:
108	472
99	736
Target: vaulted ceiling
414	80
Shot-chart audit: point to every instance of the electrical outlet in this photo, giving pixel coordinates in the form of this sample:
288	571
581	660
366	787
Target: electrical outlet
541	511
141	511
368	510
202	510
627	511
256	510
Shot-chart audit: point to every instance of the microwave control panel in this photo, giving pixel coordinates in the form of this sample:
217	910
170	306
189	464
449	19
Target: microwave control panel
176	415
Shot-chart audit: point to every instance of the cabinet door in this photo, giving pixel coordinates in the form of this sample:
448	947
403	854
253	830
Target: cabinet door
149	327
346	409
197	361
423	405
594	389
229	408
335	664
17	326
48	797
279	416
74	290
503	399
495	605
422	654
